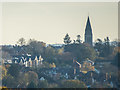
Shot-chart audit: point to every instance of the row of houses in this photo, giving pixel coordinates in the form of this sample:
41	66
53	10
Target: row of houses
89	78
27	61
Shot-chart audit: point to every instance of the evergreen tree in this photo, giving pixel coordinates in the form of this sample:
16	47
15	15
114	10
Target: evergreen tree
107	46
67	39
78	39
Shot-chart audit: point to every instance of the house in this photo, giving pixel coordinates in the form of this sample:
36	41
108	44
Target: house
83	67
89	62
28	60
21	62
42	79
9	61
40	59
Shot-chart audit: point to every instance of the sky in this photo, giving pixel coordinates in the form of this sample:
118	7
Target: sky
50	22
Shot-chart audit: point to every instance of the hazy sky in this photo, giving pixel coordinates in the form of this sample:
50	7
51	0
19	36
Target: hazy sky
49	22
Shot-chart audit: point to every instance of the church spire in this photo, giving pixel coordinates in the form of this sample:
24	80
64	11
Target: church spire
88	32
88	29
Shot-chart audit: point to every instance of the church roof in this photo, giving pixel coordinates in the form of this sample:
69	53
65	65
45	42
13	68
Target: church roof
88	29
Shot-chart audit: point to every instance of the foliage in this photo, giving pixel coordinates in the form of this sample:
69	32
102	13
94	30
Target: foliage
52	65
81	51
32	85
50	54
3	71
44	65
22	80
31	76
21	42
99	46
78	39
60	51
15	77
67	39
43	84
64	59
73	84
3	87
6	55
101	85
107	46
35	47
9	81
116	60
104	48
14	70
7	52
53	85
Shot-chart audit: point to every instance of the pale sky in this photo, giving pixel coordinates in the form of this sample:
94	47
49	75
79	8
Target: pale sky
49	22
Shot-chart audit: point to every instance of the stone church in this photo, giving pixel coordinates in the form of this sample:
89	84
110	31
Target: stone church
88	33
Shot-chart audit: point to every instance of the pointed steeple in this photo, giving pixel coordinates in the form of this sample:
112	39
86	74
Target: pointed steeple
88	29
88	32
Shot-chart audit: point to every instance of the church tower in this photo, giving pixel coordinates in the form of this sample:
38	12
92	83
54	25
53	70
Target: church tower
88	33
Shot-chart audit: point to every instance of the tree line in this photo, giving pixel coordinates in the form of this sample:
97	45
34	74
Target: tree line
69	51
14	75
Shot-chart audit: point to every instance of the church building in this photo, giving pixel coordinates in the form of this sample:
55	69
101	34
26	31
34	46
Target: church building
88	33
